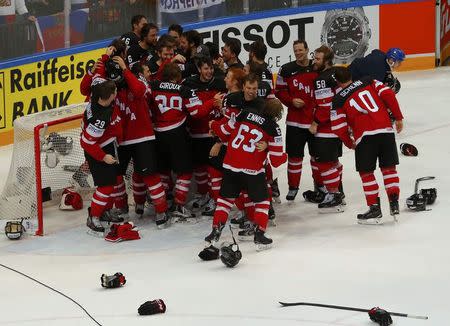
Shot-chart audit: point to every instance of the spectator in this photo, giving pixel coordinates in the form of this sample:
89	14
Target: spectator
8	11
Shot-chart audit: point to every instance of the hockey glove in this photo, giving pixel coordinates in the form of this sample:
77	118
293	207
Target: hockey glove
380	316
209	253
113	281
152	307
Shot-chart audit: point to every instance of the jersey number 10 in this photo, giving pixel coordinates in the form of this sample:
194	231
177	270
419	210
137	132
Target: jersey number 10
367	101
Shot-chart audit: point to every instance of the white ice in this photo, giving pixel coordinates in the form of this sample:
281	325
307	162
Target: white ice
402	267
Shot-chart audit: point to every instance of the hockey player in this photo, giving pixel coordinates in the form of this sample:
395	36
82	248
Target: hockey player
210	91
231	105
146	47
133	37
379	65
138	143
230	53
244	162
171	105
295	86
327	147
100	128
362	105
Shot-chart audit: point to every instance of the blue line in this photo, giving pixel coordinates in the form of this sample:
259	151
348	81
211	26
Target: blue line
215	22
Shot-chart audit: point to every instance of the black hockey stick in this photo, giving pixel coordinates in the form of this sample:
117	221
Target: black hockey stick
398	314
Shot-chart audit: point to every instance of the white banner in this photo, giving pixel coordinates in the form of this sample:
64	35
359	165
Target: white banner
177	6
352	32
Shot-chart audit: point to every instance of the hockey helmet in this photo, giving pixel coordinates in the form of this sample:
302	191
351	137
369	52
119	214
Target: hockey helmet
429	194
14	229
113	71
420	199
230	254
408	149
416	202
396	54
71	200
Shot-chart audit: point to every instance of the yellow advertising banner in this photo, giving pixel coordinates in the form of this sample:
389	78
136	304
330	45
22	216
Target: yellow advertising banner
40	86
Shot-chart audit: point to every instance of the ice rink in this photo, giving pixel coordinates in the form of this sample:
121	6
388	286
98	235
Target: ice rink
402	267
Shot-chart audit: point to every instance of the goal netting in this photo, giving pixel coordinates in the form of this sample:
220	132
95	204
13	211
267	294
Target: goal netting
47	157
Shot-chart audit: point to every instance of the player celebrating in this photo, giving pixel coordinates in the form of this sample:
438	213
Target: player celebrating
363	106
244	162
295	84
327	147
100	128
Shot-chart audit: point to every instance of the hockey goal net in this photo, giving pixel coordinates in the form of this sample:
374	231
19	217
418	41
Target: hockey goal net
47	157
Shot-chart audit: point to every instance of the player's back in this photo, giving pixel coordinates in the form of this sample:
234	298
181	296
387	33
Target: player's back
365	111
242	154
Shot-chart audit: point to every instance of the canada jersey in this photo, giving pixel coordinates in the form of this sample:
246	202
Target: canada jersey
100	126
130	39
295	81
324	90
363	106
249	129
171	103
199	128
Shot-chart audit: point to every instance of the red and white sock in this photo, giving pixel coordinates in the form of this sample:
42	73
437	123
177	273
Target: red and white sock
201	179
315	172
329	175
139	189
100	200
261	215
215	181
222	211
391	181
370	187
294	171
157	193
119	194
182	188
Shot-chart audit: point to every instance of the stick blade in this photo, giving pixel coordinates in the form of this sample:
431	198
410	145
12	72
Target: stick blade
290	304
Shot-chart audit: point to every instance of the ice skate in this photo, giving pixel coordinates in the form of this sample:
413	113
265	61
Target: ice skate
95	228
237	219
272	216
247	231
332	203
199	202
275	192
181	214
113	216
292	193
372	216
139	210
261	241
215	234
162	220
315	196
209	208
394	207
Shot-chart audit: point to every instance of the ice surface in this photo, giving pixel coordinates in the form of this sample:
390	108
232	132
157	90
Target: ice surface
403	267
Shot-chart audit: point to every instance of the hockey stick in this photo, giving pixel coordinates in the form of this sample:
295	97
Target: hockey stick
398	314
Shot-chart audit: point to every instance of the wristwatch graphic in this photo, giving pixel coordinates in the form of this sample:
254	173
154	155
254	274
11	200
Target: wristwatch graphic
347	32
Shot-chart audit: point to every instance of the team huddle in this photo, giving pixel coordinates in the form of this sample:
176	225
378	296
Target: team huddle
183	112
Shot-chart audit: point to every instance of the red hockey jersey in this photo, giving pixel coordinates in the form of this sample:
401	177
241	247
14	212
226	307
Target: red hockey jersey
171	103
363	106
325	87
295	81
250	128
100	126
199	128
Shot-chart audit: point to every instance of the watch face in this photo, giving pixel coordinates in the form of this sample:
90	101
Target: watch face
344	35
